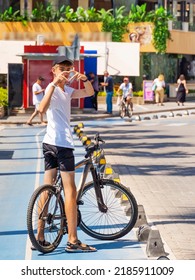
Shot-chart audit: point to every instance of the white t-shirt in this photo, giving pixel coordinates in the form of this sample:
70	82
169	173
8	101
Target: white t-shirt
58	117
159	84
126	89
37	97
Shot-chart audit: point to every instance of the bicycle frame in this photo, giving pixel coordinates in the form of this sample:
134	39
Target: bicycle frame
99	199
88	168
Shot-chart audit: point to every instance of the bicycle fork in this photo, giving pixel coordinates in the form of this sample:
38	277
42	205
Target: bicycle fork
101	205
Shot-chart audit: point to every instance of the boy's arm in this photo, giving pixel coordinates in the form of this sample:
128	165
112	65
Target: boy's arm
45	102
39	91
87	91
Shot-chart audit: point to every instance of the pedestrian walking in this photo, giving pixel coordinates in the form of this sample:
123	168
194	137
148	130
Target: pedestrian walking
181	90
58	143
158	88
109	87
95	84
38	93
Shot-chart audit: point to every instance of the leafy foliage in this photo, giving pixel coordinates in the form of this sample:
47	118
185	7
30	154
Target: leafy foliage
9	15
161	33
3	97
116	24
138	13
41	13
115	21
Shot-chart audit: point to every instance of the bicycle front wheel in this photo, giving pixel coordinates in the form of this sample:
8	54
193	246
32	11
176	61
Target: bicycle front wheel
122	110
129	111
46	214
121	214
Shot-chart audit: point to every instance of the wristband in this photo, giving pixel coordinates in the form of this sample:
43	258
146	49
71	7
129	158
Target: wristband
53	85
85	81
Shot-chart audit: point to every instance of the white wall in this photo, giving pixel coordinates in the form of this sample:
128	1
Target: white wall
122	59
9	51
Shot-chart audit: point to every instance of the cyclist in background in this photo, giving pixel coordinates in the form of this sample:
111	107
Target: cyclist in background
127	91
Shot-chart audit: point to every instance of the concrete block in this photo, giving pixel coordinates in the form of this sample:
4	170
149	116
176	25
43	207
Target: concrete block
186	113
143	232
147	118
163	258
155	246
171	114
138	118
141	218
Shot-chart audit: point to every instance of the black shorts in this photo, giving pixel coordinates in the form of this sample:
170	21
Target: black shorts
56	156
125	98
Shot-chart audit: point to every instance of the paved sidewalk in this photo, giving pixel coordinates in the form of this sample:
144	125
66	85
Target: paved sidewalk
88	114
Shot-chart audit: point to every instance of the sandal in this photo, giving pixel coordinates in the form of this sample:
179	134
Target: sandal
79	247
42	243
29	123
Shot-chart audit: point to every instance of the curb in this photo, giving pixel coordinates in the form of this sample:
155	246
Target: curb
91	116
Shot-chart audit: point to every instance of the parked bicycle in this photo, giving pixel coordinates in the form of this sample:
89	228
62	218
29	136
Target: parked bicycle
125	109
107	210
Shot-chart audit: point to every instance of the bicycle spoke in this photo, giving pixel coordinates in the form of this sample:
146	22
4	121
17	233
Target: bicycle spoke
45	214
114	222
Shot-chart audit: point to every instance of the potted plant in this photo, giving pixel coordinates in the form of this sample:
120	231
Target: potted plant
3	101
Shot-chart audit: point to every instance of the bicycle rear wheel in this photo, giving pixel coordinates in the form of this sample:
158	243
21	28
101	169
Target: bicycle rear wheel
121	215
46	210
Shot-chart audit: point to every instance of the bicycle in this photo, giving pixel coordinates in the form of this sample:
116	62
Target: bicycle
125	109
107	210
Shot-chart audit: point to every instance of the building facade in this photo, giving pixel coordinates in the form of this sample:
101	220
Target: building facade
180	54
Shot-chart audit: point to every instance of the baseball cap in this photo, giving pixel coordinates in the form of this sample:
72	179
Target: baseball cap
62	59
41	78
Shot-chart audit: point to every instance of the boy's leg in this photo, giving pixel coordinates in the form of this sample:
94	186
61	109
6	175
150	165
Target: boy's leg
70	204
32	117
73	244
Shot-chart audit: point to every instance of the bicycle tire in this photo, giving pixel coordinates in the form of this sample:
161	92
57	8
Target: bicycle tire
129	111
54	226
120	217
122	111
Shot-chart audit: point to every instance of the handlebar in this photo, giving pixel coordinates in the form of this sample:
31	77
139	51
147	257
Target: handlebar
98	138
94	146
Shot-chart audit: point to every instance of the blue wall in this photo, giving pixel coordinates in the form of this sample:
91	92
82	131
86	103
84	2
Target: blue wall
90	65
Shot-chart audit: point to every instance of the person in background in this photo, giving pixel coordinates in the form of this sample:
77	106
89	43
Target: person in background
127	91
95	84
58	143
109	86
181	90
159	90
38	93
